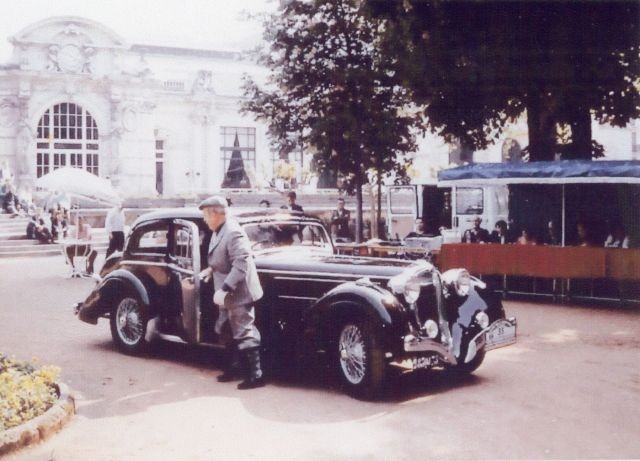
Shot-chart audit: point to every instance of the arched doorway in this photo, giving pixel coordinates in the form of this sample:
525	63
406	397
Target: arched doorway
67	136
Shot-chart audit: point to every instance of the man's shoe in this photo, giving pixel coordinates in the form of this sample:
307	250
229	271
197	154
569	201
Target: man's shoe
228	376
254	372
251	383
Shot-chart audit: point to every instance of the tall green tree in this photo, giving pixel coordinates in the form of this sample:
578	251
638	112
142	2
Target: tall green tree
330	86
476	65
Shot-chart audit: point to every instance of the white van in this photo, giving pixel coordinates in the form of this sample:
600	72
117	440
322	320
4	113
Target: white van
445	211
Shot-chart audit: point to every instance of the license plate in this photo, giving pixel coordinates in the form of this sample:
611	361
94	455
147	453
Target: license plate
500	334
423	362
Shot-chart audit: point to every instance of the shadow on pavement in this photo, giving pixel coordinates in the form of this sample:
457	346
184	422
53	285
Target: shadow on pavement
175	372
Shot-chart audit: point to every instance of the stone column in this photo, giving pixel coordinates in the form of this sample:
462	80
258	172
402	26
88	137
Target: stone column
113	139
25	144
200	179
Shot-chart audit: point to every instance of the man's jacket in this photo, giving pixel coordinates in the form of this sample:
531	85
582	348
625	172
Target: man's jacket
233	266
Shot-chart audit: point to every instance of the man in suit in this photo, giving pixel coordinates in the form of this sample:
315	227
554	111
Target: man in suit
476	234
292	205
237	288
340	218
418	229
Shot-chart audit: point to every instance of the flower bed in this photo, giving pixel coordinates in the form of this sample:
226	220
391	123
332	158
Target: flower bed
26	391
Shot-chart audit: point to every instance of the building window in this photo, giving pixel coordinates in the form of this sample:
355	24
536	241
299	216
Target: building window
67	136
238	146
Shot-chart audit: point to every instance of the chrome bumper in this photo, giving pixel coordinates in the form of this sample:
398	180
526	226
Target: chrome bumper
500	333
413	344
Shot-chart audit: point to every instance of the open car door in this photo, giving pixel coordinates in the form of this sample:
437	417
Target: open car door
185	265
402	210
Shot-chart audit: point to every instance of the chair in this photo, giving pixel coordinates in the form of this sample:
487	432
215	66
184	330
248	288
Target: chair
78	260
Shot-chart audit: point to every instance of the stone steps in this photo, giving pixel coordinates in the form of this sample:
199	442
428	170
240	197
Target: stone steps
13	241
30	254
44	249
20	242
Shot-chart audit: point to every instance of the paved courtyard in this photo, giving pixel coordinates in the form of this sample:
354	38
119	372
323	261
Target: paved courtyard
570	388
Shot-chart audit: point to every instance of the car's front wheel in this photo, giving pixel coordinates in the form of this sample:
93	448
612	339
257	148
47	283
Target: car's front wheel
129	325
360	360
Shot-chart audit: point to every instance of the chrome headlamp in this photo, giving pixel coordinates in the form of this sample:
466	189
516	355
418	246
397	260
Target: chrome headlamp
431	328
459	280
409	283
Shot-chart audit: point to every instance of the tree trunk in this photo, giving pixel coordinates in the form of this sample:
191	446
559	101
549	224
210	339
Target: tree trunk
358	179
379	203
541	127
580	147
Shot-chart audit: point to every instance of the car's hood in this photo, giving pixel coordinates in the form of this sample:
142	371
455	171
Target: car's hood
303	261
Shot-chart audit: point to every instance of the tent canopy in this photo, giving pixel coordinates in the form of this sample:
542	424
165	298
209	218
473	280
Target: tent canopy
556	172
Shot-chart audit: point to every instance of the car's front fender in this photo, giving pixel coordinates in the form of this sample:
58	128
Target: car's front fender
463	311
361	299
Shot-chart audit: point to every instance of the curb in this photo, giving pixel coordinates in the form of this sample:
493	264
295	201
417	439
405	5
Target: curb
40	427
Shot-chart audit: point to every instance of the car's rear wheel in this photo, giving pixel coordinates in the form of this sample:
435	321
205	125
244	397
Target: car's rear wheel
360	360
129	325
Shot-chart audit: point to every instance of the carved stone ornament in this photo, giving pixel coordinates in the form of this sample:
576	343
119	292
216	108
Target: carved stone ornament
70	59
129	118
71	29
9	112
203	82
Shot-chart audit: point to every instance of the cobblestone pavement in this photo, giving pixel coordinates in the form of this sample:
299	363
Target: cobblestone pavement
570	388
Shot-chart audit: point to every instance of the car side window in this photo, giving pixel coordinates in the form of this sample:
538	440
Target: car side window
183	250
150	239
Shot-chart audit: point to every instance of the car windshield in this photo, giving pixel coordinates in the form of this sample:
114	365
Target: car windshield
285	234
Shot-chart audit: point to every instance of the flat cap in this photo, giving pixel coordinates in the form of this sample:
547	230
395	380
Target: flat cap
214	200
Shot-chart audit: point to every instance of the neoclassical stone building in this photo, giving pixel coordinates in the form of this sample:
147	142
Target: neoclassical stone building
155	120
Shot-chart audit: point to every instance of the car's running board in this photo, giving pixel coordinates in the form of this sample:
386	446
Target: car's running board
178	339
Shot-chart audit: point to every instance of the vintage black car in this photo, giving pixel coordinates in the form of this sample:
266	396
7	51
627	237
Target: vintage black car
364	315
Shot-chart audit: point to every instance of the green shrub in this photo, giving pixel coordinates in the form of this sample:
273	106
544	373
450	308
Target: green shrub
26	391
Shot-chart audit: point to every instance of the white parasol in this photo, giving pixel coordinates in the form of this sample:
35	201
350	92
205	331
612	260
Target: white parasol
73	182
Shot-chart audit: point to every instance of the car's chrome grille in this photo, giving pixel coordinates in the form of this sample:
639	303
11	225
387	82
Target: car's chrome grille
427	305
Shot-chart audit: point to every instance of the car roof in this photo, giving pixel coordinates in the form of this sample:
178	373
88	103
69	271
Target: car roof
242	215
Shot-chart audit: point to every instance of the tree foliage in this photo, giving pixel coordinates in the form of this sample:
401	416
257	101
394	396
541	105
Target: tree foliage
330	87
476	65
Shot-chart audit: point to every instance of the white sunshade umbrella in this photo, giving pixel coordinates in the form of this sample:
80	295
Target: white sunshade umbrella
79	183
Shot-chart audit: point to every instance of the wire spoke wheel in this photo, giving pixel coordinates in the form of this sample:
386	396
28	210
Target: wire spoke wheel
129	325
353	354
128	322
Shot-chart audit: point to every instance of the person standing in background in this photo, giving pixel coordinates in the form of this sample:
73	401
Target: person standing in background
292	205
114	225
340	218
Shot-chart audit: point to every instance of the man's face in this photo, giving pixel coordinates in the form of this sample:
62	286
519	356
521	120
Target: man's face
476	223
340	205
291	200
213	217
419	225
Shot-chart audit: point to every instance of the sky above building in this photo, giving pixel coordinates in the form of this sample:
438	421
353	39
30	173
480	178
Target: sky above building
207	24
